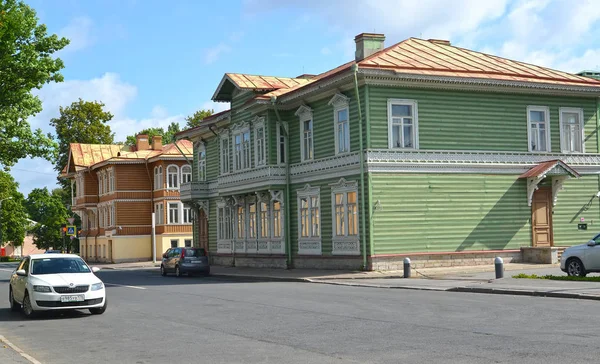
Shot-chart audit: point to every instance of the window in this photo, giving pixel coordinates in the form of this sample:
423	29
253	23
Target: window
100	186
112	215
238	151
174	243
159	214
403	124
187	215
172	177
281	139
571	130
241	222
156	178
342	136
187	243
173	212
105	182
242	150
224	223
309	213
111	177
346	214
264	220
307	140
538	121
106	217
252	221
246	149
186	173
201	163
277	223
100	218
260	151
224	155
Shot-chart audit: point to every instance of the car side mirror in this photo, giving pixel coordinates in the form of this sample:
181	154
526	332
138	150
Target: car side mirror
591	243
164	255
21	273
95	269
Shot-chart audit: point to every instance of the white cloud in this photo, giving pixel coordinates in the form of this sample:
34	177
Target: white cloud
79	32
213	54
216	106
325	51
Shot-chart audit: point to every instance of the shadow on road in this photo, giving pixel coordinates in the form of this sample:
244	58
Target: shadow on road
7	315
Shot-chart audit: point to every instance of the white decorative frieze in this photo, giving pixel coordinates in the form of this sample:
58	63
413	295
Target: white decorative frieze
346	247
309	247
330	164
338	101
264	176
224	247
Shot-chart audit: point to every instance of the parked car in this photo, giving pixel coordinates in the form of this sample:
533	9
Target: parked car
185	260
52	252
44	282
580	260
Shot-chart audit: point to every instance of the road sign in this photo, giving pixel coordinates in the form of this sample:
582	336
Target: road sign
71	220
71	230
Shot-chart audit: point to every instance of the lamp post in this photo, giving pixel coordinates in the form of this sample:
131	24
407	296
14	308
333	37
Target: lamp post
4	199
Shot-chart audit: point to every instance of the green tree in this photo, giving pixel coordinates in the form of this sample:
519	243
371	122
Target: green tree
26	63
167	136
48	210
81	122
13	217
195	119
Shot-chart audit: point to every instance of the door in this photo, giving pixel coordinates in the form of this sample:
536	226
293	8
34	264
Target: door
591	258
173	257
20	282
541	217
202	230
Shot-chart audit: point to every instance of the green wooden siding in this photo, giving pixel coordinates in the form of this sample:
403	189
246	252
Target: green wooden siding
212	158
577	200
212	225
459	120
440	212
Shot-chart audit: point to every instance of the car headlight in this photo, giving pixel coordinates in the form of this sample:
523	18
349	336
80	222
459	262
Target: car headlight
42	289
97	286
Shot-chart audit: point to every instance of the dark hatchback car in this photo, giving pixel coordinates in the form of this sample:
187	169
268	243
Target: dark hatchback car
185	260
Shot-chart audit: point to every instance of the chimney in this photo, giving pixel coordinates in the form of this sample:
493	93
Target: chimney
141	142
439	41
157	142
367	44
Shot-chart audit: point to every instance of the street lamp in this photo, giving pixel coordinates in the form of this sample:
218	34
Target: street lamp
4	199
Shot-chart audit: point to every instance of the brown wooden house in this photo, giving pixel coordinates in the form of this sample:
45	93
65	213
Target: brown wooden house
115	190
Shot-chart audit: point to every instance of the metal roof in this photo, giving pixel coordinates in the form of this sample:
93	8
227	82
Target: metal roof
543	168
242	81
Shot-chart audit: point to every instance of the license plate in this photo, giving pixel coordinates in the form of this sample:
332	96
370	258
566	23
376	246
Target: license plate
77	298
196	262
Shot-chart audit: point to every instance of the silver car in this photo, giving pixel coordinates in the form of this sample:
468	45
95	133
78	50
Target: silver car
185	261
580	260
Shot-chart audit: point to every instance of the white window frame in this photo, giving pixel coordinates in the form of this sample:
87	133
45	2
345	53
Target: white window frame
201	155
244	159
305	114
311	244
415	116
159	213
279	142
100	184
225	233
155	178
105	182
344	244
563	143
260	144
546	110
179	217
169	180
113	215
188	174
189	219
340	102
111	180
225	154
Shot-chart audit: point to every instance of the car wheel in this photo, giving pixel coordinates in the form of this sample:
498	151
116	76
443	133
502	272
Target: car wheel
163	271
177	271
99	310
27	308
14	305
575	268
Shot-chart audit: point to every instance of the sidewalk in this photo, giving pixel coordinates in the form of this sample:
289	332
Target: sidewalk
476	279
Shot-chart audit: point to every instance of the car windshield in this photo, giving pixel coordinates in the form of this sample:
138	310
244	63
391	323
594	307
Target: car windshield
58	265
197	253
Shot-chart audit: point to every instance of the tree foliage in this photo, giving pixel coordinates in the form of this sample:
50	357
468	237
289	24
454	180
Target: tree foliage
195	119
81	122
26	63
48	210
168	136
12	213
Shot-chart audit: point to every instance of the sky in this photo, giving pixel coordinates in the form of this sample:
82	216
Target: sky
154	62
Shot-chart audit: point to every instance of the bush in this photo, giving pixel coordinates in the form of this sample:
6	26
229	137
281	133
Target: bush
4	259
557	278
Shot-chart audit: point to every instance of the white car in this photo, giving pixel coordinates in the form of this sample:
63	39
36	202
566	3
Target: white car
44	282
580	260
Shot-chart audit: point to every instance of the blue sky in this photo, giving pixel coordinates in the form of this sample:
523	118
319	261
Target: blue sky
154	62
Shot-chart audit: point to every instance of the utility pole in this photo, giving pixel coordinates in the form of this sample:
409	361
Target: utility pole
4	199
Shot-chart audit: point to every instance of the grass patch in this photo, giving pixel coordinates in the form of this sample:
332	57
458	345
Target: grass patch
557	278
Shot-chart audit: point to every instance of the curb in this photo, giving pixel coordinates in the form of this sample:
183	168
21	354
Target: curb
517	292
333	283
249	278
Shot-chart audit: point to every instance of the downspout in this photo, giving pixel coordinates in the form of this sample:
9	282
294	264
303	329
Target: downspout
369	176
362	169
598	138
288	240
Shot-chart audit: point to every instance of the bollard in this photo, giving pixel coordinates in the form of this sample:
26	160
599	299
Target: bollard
406	267
499	264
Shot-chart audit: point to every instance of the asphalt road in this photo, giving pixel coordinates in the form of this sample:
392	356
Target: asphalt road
153	319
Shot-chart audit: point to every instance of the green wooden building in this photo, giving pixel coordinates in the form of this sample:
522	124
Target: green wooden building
422	149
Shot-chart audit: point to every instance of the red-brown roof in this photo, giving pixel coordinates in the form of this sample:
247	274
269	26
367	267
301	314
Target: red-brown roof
542	168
